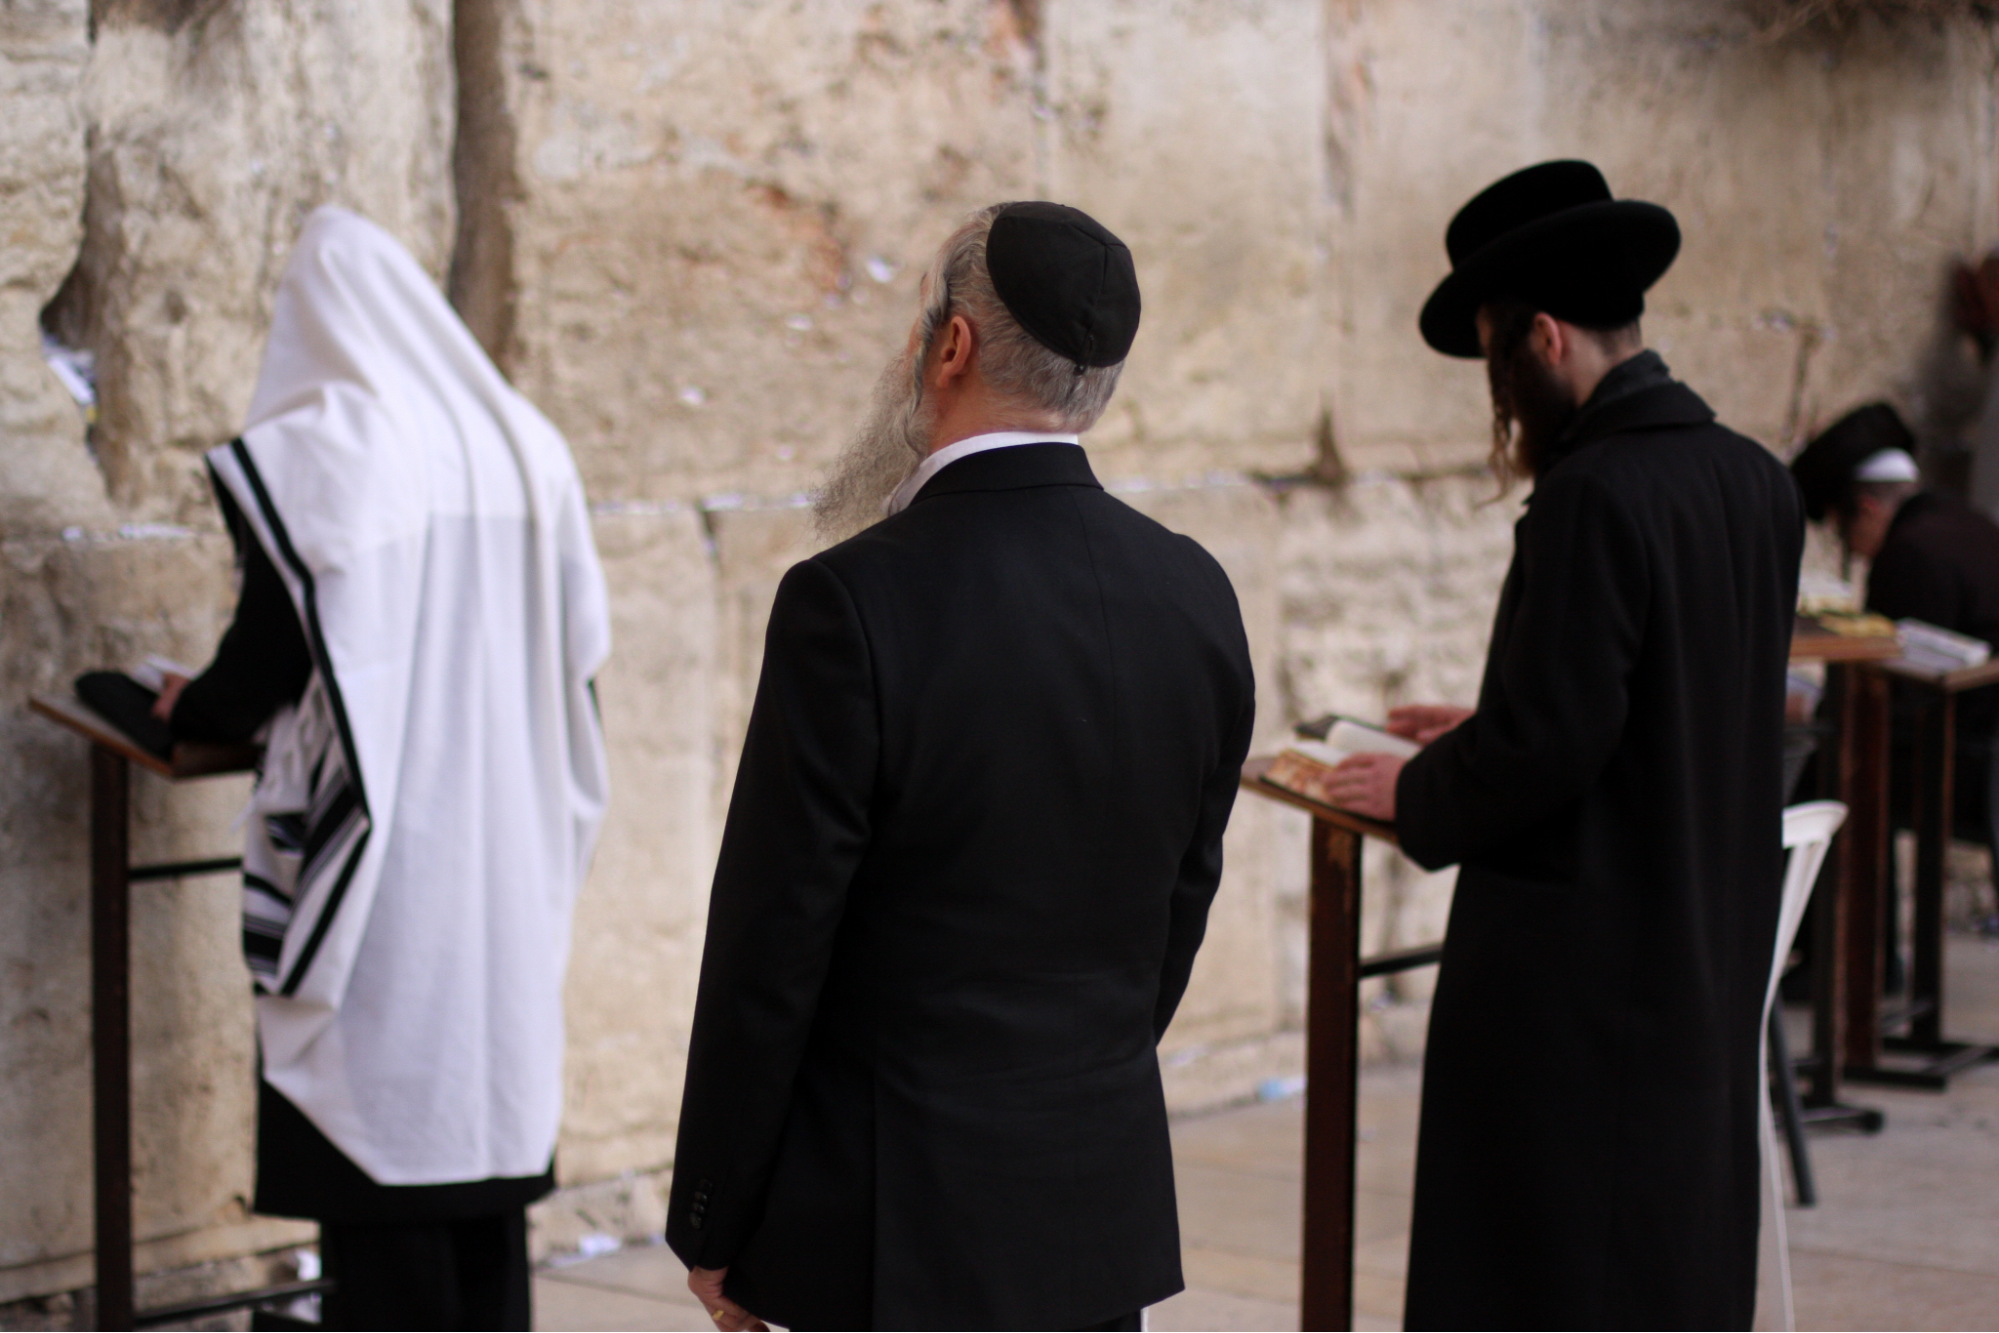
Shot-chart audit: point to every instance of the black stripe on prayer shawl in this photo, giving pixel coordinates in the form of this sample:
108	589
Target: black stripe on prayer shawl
345	805
263	885
325	662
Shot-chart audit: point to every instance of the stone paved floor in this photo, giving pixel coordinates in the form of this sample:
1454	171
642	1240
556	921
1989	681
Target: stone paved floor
1906	1235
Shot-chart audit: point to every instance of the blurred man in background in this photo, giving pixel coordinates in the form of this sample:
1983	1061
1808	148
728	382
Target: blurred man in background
1931	557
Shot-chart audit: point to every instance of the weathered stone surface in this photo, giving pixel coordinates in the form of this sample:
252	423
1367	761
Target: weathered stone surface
1823	183
213	134
1193	131
43	48
637	949
728	206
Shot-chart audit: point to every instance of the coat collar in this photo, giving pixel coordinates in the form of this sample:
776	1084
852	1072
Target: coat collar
1017	468
1658	407
1637	394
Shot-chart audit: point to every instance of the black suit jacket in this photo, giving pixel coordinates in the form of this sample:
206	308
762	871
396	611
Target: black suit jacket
974	837
1588	1152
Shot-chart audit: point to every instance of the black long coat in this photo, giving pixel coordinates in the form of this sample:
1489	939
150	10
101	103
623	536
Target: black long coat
1588	1149
973	842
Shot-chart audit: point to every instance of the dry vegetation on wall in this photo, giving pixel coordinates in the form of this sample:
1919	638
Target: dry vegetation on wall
1780	18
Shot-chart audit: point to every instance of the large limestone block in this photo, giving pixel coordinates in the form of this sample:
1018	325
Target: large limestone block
1822	183
1389	587
725	212
639	922
1425	106
212	137
753	547
1192	130
68	606
48	481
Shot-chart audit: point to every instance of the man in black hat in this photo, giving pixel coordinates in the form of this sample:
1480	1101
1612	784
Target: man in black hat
974	837
1931	558
1588	1149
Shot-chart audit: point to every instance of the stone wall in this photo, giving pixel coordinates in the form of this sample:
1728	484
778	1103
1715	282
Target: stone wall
692	234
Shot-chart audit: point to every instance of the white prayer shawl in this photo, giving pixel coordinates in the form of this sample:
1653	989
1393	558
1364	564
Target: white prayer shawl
426	813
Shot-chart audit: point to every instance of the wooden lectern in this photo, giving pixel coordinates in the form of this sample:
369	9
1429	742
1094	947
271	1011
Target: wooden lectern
1937	1060
1332	1045
1336	968
112	754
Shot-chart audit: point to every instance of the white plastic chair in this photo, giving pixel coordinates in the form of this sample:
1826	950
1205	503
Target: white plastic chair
1808	831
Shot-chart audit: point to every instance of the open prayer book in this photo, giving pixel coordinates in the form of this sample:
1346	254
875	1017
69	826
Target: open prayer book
1306	766
125	700
1939	649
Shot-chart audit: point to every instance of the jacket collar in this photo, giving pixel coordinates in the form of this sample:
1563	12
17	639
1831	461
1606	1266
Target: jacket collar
1017	468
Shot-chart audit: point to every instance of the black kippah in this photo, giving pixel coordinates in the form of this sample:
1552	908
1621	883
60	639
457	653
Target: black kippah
1067	280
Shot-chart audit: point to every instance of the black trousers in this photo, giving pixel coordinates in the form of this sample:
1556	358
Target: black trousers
465	1273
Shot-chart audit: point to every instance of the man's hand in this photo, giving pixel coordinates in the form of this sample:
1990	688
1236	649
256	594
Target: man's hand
1365	784
171	684
706	1284
1423	723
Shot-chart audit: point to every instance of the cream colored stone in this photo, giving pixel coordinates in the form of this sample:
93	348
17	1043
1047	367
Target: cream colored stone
636	953
211	140
49	481
728	208
1192	131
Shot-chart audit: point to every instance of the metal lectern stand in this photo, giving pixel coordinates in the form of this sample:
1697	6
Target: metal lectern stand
1332	1046
112	874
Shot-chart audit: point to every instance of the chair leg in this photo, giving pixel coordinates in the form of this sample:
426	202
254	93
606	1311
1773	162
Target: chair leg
1793	1115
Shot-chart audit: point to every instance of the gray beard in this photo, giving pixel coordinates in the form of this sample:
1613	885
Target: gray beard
883	453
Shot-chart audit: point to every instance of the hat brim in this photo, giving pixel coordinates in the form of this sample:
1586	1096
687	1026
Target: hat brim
1634	242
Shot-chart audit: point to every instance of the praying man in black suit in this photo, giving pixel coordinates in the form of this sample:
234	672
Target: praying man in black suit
973	841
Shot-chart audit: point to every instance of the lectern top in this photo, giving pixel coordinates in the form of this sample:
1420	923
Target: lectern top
1252	780
1950	682
190	759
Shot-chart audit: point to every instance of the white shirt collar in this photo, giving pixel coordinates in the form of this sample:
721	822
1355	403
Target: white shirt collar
906	493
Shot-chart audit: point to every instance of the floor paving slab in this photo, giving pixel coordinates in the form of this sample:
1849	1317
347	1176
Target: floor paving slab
642	1270
560	1303
1198	1309
1906	1235
1842	1292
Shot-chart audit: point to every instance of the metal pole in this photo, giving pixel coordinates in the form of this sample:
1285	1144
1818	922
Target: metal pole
1332	1084
110	1032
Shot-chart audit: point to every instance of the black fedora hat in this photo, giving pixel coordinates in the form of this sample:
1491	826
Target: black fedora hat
1553	236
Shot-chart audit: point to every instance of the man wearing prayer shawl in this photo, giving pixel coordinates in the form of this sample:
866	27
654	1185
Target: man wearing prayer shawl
973	841
1587	1156
421	616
